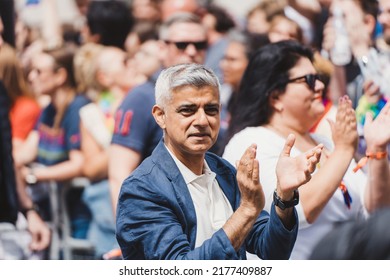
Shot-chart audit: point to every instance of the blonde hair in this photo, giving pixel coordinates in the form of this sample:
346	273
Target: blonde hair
85	66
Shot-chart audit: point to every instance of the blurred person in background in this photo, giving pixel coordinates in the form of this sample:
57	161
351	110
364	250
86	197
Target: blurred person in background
146	10
108	23
15	242
281	94
109	77
147	60
366	74
357	240
283	28
171	7
7	22
54	144
218	23
233	64
25	109
259	18
140	33
383	41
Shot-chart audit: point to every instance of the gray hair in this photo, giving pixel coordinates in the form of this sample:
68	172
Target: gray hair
181	17
190	74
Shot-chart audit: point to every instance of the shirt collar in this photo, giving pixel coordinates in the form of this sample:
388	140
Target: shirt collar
187	174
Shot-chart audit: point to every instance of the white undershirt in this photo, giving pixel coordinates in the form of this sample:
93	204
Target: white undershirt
212	208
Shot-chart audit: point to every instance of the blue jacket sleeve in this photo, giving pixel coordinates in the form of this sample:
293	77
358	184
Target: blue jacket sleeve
269	239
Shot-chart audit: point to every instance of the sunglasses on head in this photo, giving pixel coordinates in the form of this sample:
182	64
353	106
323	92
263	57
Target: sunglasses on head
201	45
309	79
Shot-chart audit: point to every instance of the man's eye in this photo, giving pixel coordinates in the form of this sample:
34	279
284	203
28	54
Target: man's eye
212	111
186	111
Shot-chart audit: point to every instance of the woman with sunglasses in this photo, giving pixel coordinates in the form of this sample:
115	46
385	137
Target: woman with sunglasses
52	149
280	93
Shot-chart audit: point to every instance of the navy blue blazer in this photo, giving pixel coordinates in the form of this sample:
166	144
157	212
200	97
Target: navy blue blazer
156	217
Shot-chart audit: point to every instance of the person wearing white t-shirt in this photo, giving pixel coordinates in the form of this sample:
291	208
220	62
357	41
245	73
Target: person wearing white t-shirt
281	94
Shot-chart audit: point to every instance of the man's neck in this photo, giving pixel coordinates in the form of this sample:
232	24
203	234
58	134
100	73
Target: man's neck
192	162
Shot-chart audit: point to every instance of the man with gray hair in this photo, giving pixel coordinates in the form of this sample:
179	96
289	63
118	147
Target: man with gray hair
183	202
136	134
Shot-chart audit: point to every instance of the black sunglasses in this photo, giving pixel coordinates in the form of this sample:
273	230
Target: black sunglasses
201	45
310	80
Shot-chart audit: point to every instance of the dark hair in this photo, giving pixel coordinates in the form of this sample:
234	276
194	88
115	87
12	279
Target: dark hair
370	7
250	41
265	75
7	16
63	57
112	20
145	31
357	240
223	20
8	194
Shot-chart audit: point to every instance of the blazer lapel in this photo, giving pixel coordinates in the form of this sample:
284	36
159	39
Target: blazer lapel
164	160
226	180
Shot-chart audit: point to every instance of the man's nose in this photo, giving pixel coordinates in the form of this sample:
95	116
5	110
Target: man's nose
191	50
201	118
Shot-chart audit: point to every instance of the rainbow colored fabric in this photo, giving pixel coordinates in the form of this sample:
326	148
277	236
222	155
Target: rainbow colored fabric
364	106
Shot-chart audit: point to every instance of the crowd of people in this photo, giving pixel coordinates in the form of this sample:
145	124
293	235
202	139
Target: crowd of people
203	133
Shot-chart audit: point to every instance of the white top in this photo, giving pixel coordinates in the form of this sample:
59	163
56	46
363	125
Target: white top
269	147
94	121
212	208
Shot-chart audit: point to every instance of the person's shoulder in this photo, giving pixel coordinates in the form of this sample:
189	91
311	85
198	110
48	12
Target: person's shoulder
143	88
142	91
27	105
146	175
80	101
139	97
244	138
73	111
89	108
146	88
27	101
249	132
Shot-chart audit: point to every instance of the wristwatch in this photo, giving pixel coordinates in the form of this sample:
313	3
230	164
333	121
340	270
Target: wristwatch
286	204
30	178
34	207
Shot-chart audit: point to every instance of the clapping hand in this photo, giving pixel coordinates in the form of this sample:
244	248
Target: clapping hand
292	172
252	195
344	130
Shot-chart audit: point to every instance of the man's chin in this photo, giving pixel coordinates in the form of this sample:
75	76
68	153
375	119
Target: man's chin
201	147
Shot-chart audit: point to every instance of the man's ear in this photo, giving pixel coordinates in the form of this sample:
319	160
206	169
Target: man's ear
159	116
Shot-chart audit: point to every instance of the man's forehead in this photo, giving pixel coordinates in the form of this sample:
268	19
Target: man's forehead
189	91
187	31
